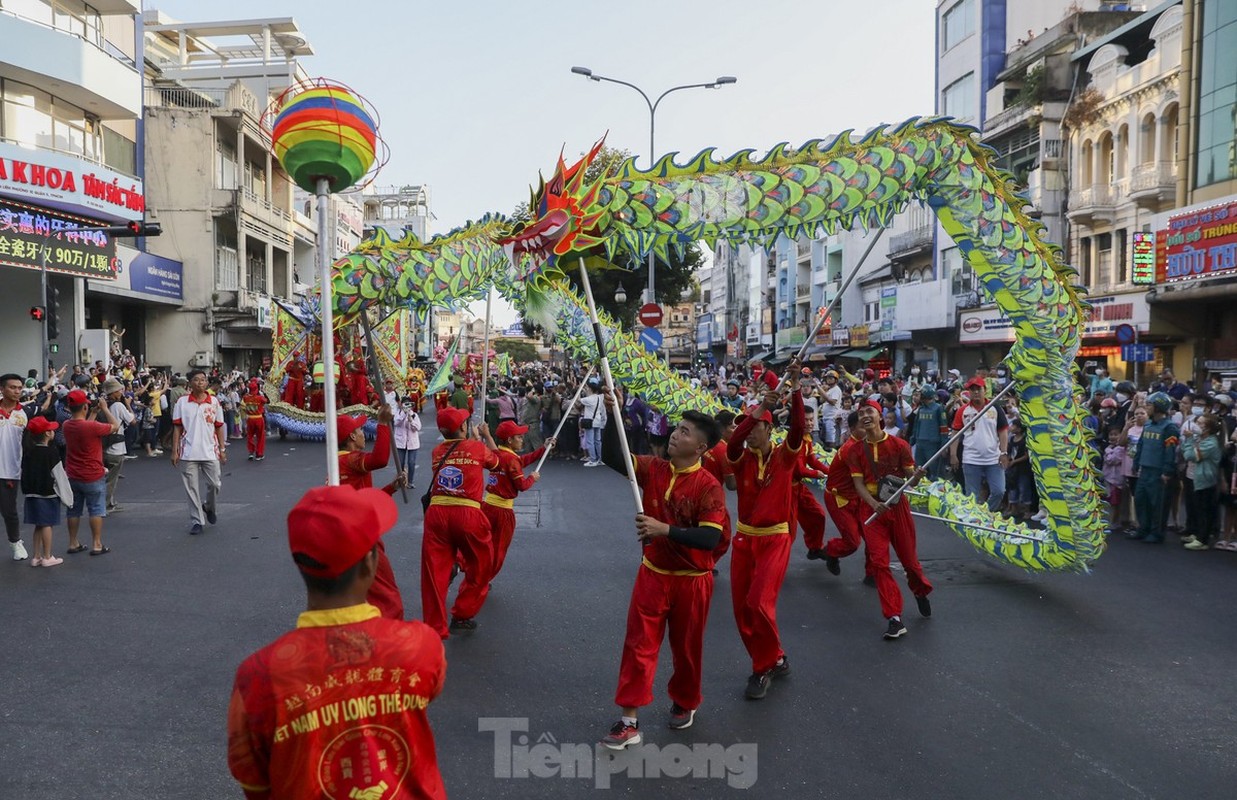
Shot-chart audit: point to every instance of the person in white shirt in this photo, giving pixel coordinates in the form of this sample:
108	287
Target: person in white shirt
830	410
985	447
407	438
199	448
593	422
12	427
114	455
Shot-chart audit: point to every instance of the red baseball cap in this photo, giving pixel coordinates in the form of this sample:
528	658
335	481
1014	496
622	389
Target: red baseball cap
507	429
77	398
40	425
977	381
873	404
344	426
337	525
451	419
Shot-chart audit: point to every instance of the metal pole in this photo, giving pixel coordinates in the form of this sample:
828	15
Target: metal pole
485	353
957	435
1136	360
978	527
43	302
563	420
652	163
837	298
609	379
328	333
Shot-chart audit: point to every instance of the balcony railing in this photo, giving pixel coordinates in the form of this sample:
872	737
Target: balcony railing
911	240
207	98
1098	198
251	198
803	249
802	291
1153	177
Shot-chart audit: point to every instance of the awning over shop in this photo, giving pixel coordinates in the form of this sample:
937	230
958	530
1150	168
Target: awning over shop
863	354
759	355
244	340
823	352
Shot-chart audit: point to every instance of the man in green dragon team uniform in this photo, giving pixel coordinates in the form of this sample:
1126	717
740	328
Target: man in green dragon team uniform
1155	458
929	430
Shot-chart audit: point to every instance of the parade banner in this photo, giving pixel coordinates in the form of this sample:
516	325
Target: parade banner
443	376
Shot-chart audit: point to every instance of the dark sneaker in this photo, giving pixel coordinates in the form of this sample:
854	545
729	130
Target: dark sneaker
195	529
463	625
925	605
833	565
680	717
868	580
815	553
896	629
622	736
758	685
782	668
252	456
210	515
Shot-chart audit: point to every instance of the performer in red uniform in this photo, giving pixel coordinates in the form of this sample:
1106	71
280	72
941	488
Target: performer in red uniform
761	548
283	740
809	514
359	388
681	526
714	460
294	389
456	530
504	483
355	470
844	506
253	405
877	456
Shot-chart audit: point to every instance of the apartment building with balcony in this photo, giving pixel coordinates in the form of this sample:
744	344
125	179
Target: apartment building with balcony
1123	153
399	210
227	207
70	101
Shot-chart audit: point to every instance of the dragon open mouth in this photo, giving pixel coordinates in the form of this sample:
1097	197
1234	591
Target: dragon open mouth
537	240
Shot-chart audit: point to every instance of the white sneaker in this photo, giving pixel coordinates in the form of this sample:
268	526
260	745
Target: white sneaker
19	551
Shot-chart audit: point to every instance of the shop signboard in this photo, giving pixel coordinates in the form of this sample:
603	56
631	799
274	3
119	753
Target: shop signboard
859	336
1142	256
1108	312
29	234
69	183
1198	244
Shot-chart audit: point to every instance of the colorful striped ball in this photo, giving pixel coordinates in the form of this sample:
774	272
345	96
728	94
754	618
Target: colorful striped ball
325	132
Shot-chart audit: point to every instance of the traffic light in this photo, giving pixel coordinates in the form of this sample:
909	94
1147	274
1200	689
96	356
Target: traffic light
132	229
37	313
52	309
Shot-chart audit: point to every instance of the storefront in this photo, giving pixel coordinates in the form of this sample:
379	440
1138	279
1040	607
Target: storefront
145	284
1105	332
1196	285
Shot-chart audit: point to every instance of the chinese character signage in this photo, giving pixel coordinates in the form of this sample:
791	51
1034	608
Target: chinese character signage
28	235
1198	244
1143	255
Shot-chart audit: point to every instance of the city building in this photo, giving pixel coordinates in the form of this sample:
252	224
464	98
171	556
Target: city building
240	234
399	210
678	329
70	157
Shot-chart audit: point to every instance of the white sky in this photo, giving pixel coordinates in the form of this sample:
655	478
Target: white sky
476	98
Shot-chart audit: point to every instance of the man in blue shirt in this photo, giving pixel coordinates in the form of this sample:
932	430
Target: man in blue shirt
929	430
1155	457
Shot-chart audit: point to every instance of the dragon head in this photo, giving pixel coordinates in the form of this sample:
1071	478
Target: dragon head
566	215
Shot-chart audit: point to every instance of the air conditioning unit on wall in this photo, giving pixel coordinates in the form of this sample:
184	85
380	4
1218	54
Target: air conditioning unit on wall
200	359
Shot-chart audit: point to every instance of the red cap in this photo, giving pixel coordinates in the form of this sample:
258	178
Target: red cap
758	413
873	404
41	425
344	426
253	385
977	381
507	429
77	398
451	419
337	525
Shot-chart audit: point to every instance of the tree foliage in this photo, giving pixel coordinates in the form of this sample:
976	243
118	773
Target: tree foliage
518	349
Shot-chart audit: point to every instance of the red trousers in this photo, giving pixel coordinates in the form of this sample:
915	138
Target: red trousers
454	534
294	392
895	527
810	516
255	436
657	601
383	592
502	530
848	519
757	568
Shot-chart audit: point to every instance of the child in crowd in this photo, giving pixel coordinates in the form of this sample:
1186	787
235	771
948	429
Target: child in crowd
38	483
1019	482
1114	476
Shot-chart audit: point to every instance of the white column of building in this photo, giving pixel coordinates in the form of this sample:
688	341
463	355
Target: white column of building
242	256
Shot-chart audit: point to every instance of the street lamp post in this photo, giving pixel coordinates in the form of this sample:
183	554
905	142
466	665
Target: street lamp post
721	80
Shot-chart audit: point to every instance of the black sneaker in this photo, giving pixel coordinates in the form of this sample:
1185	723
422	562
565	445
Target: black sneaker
816	553
868	580
463	625
758	685
210	515
896	629
195	529
925	605
681	718
782	668
252	456
833	565
622	736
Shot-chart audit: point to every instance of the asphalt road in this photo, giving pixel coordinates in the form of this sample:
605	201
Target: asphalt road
1118	684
